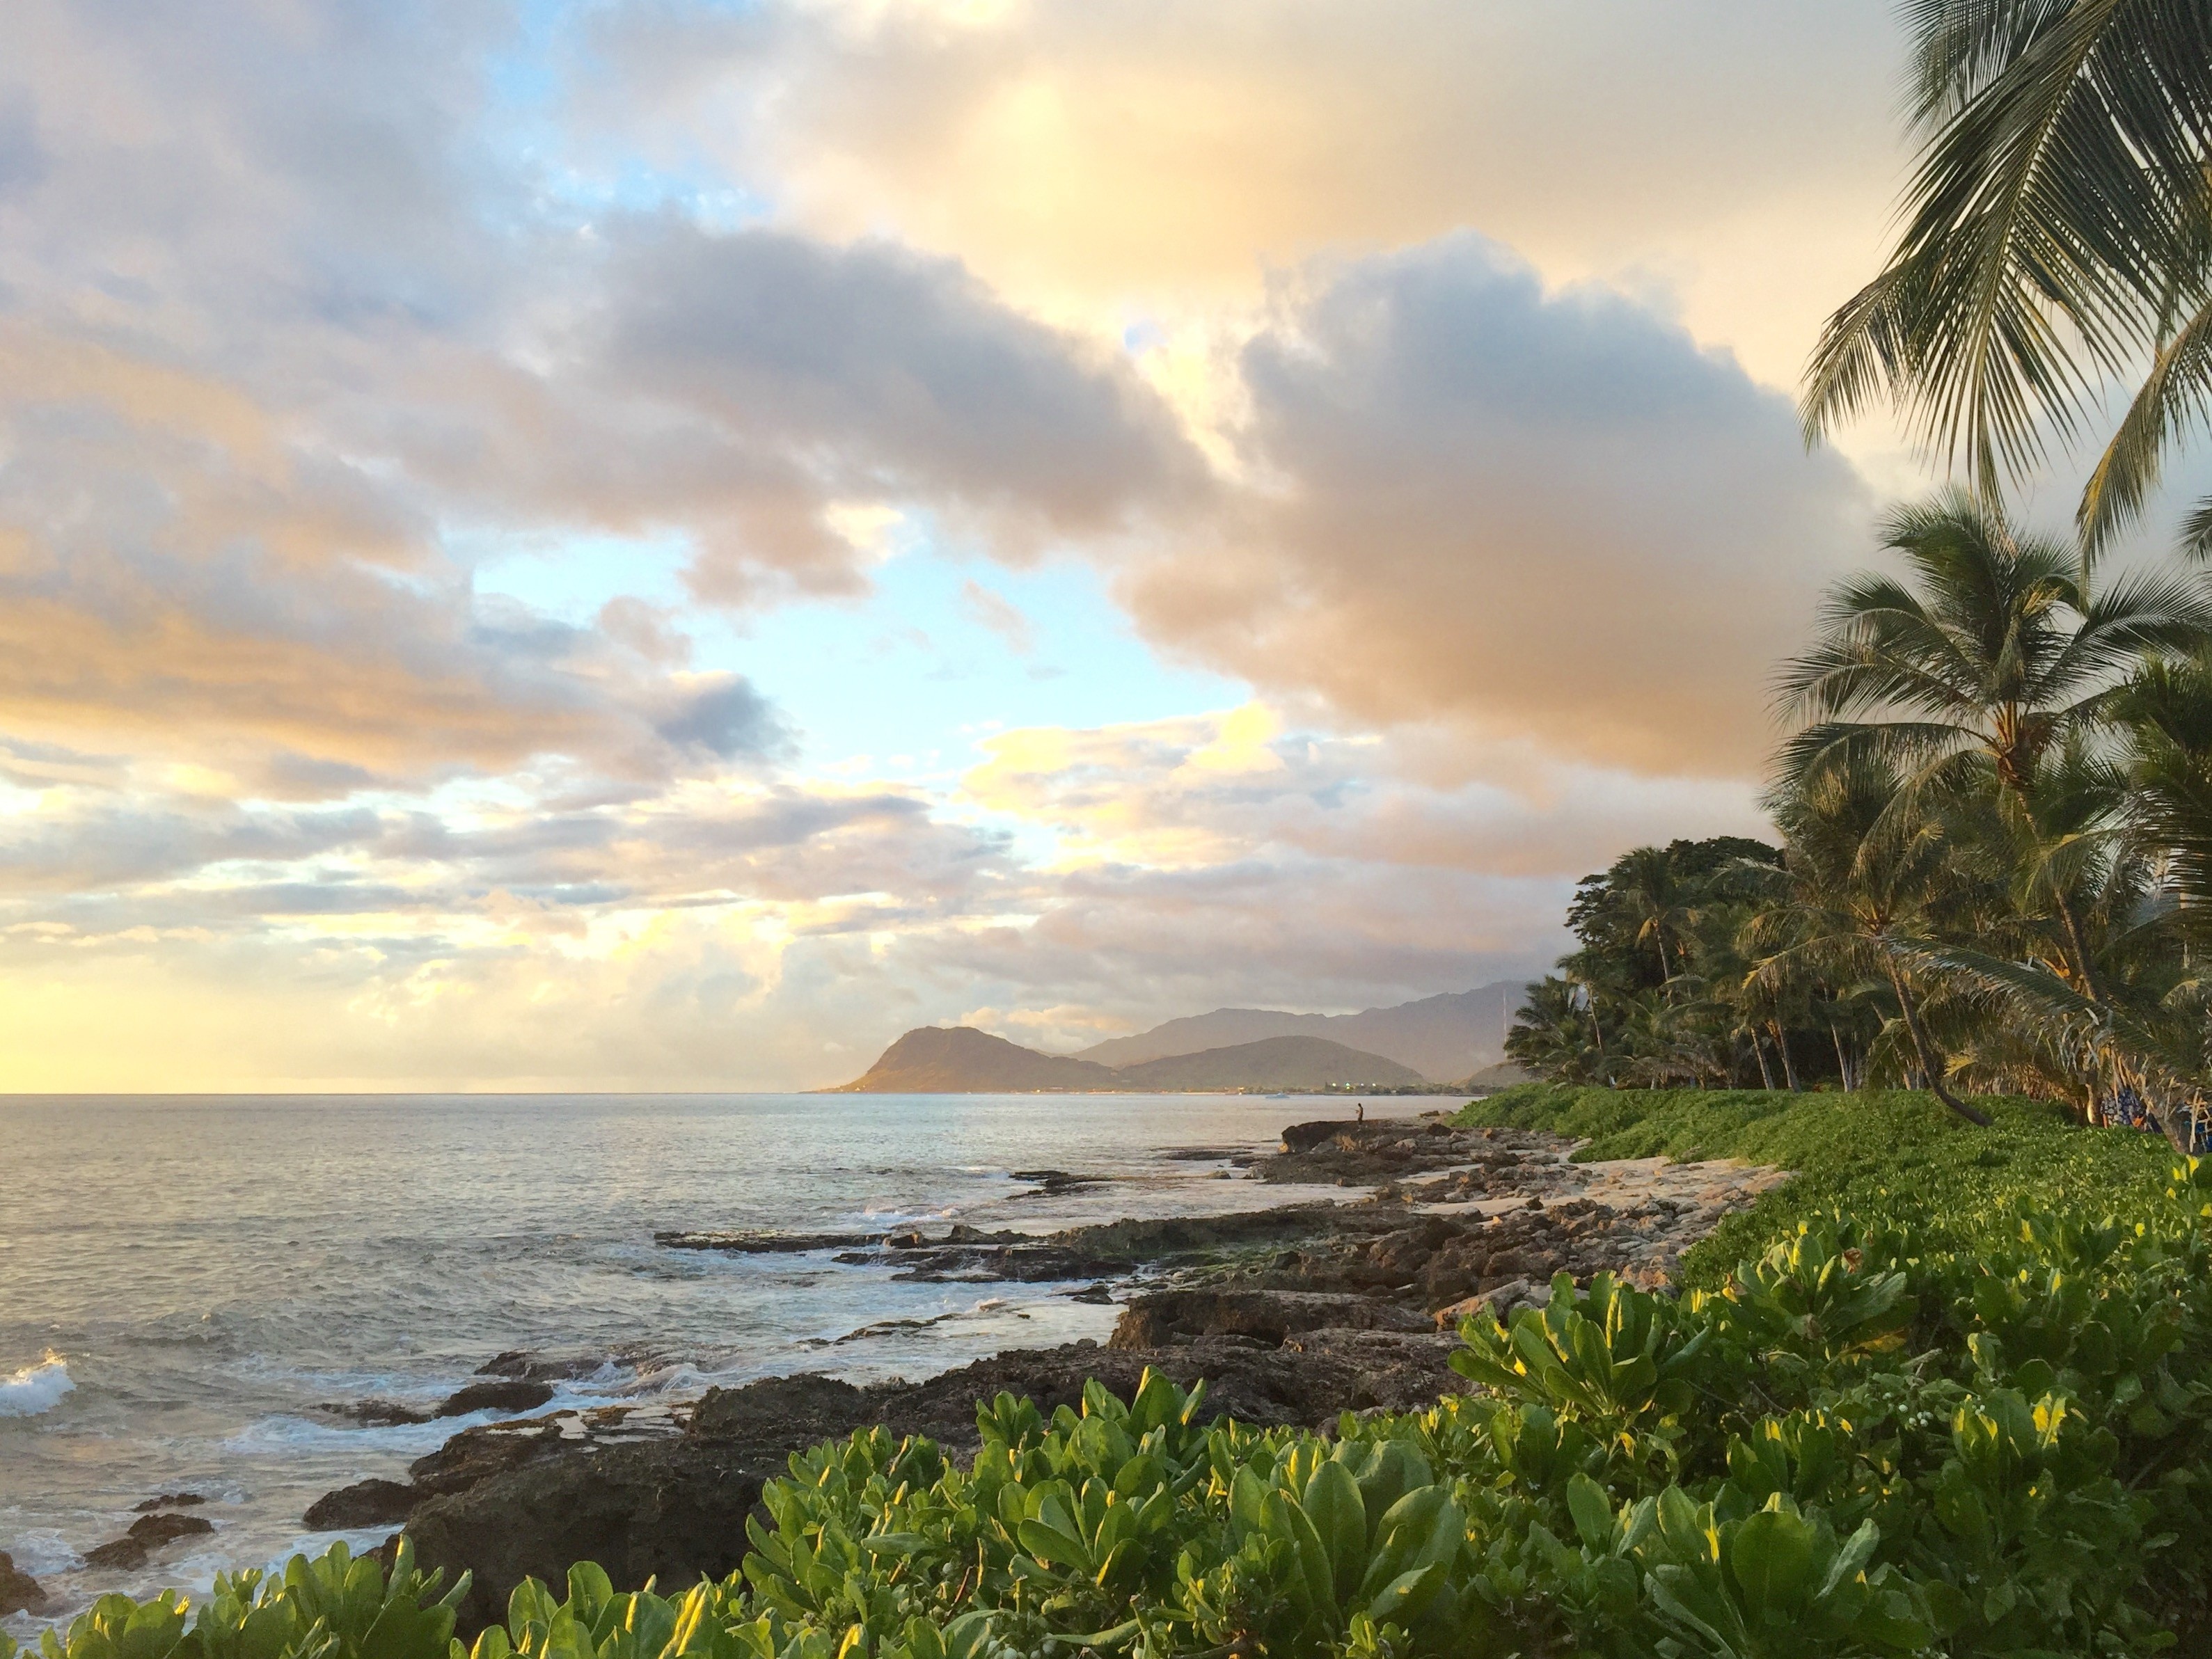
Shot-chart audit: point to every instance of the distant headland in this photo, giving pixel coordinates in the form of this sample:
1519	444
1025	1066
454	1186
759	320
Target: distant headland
1446	1040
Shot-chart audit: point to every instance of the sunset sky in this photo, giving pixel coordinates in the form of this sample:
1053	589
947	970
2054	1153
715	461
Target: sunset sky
656	545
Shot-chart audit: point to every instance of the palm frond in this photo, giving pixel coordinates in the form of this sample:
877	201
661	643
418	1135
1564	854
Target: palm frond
2174	396
2053	225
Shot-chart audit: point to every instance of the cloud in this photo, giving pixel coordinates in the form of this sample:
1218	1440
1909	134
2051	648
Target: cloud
1087	154
180	574
286	319
775	401
1239	786
902	375
722	716
1537	513
994	611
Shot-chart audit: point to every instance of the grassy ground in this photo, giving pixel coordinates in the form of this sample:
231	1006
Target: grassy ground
1896	1154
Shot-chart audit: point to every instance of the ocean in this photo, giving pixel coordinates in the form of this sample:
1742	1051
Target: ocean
185	1281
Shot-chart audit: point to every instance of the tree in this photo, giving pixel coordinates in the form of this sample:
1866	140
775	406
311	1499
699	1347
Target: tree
1967	678
2058	234
1861	892
1556	1035
1661	907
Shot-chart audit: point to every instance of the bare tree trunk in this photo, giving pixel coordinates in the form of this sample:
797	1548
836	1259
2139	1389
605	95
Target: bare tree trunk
1782	1046
1926	1052
1843	1060
1766	1076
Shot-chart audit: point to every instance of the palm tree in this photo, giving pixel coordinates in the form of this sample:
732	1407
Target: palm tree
1861	892
1995	656
1556	1034
1661	906
1661	1041
2152	911
2058	234
2168	711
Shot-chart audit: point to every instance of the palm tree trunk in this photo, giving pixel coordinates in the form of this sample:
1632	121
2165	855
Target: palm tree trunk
1843	1060
1782	1046
1766	1076
1927	1053
2176	1126
2080	947
2075	941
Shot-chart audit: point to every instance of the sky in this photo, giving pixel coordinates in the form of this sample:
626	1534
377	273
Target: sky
658	545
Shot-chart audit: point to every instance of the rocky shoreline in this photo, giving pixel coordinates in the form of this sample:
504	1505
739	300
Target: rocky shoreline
1291	1315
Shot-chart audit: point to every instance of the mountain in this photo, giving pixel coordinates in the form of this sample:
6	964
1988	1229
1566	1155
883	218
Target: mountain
1444	1038
958	1059
1281	1062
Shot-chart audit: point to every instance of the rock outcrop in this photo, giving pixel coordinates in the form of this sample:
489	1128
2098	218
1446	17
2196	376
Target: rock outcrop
147	1533
19	1591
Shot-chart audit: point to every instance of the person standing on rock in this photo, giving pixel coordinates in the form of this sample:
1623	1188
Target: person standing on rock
1362	1116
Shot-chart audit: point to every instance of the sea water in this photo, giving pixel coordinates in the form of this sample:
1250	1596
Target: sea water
186	1282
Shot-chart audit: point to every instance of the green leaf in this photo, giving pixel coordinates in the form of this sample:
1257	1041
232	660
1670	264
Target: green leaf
1054	1546
1339	1514
1246	1495
1592	1513
1315	1562
1772	1557
1406	1597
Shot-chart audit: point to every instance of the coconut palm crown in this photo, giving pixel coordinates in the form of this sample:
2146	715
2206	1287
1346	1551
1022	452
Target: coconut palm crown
1992	652
2057	238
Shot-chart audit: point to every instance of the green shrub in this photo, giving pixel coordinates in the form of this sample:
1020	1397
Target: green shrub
1893	1153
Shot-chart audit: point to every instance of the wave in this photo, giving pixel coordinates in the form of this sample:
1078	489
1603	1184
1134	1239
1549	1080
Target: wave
36	1389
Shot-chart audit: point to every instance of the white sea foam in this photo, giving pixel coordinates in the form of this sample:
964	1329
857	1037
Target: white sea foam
42	1552
36	1389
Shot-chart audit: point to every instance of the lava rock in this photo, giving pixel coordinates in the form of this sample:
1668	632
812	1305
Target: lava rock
169	1500
1305	1137
147	1533
1161	1318
528	1365
1499	1301
374	1414
1054	1182
673	1510
364	1503
508	1396
19	1591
